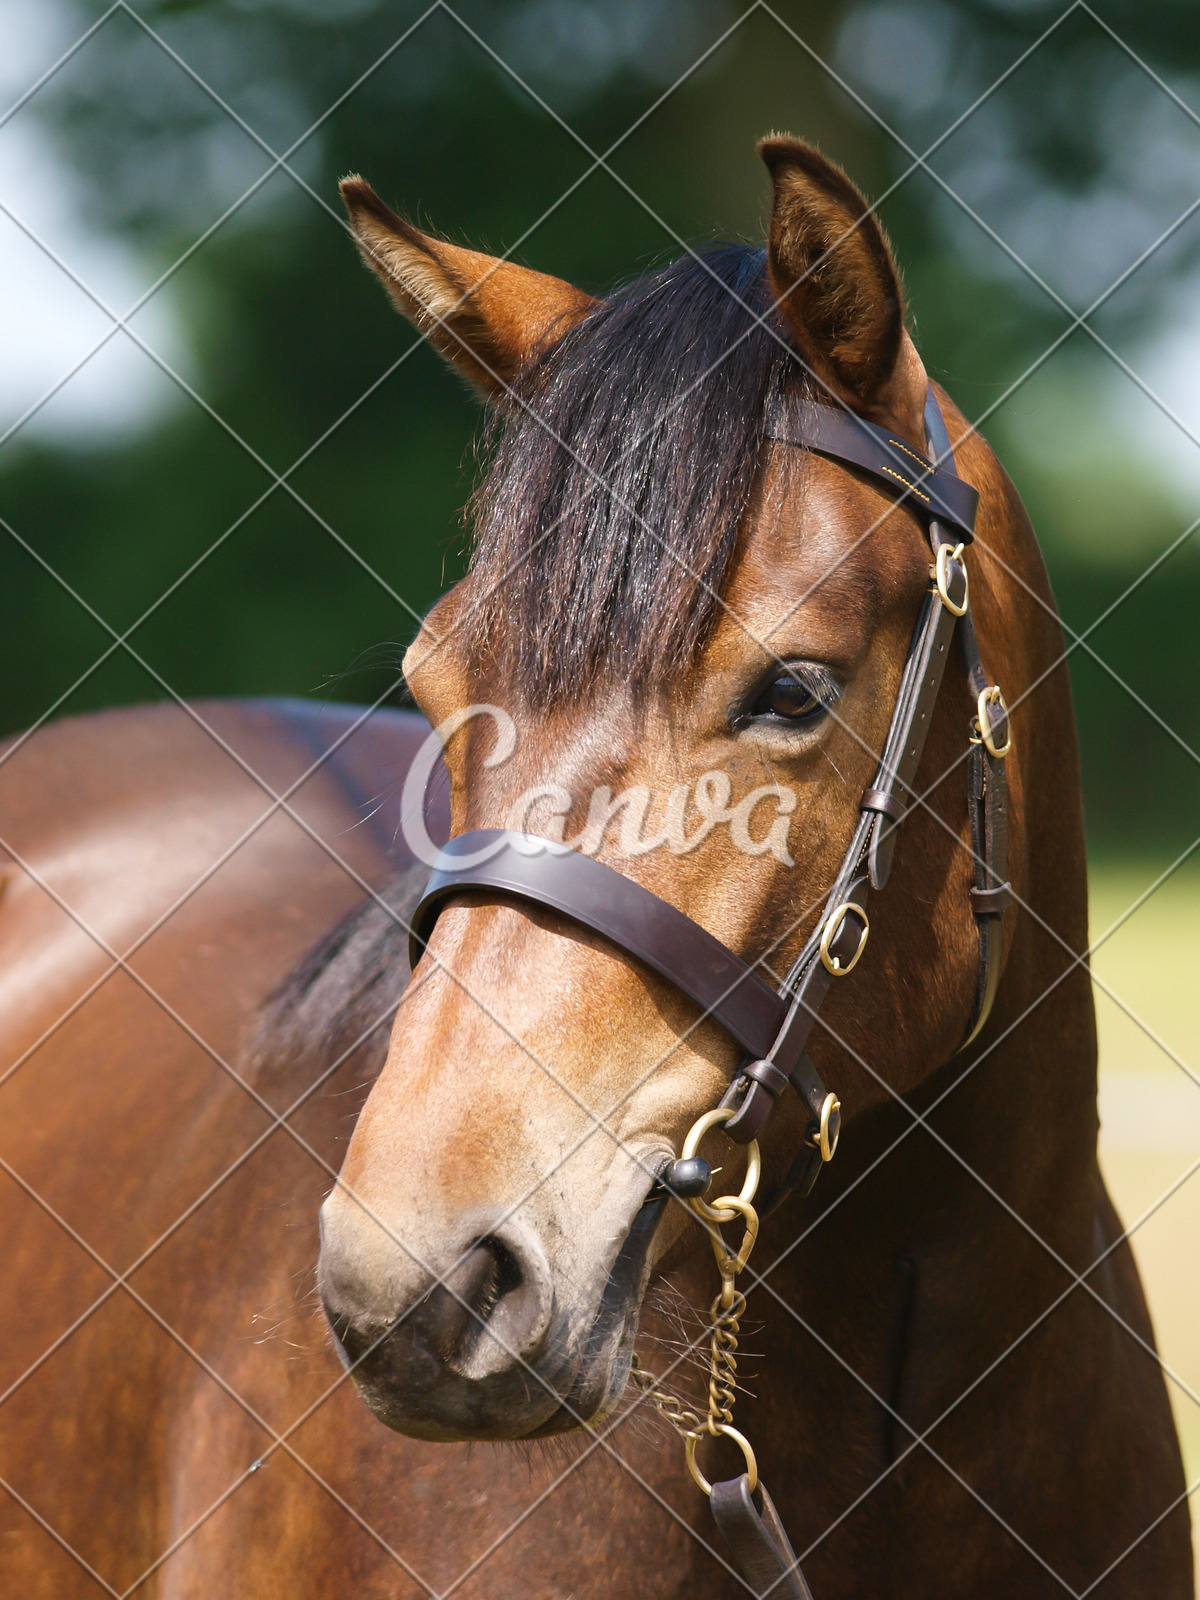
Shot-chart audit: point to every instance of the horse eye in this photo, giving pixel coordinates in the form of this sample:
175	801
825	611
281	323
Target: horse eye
790	697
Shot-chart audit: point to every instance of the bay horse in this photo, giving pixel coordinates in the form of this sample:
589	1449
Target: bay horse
954	1388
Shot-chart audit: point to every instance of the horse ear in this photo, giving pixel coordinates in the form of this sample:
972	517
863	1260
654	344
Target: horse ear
833	275
486	316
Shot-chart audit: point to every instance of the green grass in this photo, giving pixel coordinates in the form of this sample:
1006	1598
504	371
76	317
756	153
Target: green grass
1147	973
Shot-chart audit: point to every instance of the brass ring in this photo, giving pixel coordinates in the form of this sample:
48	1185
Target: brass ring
691	1144
946	554
833	927
826	1145
993	697
693	1439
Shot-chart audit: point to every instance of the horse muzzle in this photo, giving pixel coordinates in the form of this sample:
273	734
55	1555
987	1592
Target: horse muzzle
479	1344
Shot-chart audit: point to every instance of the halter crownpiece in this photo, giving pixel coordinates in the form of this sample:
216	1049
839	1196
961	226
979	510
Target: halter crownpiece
927	486
773	1026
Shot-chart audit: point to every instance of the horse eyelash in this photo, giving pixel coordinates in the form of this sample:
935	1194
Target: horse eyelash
821	681
818	679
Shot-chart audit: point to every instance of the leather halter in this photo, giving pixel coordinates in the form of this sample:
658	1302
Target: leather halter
773	1027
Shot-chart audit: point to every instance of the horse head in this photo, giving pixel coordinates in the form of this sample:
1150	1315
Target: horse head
678	650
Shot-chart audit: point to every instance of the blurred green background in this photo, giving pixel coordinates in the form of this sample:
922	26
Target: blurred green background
1078	162
1072	180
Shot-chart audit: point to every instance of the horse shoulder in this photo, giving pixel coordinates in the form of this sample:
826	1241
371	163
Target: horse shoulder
154	892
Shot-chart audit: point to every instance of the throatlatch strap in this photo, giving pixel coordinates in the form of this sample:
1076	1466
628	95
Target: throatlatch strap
987	804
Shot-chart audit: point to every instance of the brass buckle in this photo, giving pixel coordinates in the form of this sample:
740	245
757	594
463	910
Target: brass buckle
830	1107
833	928
941	576
993	697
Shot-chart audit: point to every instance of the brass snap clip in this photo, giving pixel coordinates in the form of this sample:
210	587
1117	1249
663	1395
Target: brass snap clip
993	697
830	959
954	595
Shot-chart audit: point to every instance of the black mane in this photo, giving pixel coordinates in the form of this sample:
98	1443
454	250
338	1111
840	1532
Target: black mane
610	510
659	393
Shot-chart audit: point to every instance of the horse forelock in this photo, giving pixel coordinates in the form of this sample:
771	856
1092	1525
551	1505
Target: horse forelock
618	478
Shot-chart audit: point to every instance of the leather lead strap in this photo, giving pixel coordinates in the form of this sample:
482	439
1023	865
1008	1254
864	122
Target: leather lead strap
757	1540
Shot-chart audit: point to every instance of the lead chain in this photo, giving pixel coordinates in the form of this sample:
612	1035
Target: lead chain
724	1315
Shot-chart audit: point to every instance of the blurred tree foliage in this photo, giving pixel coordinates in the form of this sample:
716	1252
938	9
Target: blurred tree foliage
1078	161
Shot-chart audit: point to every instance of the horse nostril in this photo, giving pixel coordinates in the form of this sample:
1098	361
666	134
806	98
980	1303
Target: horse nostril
458	1309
